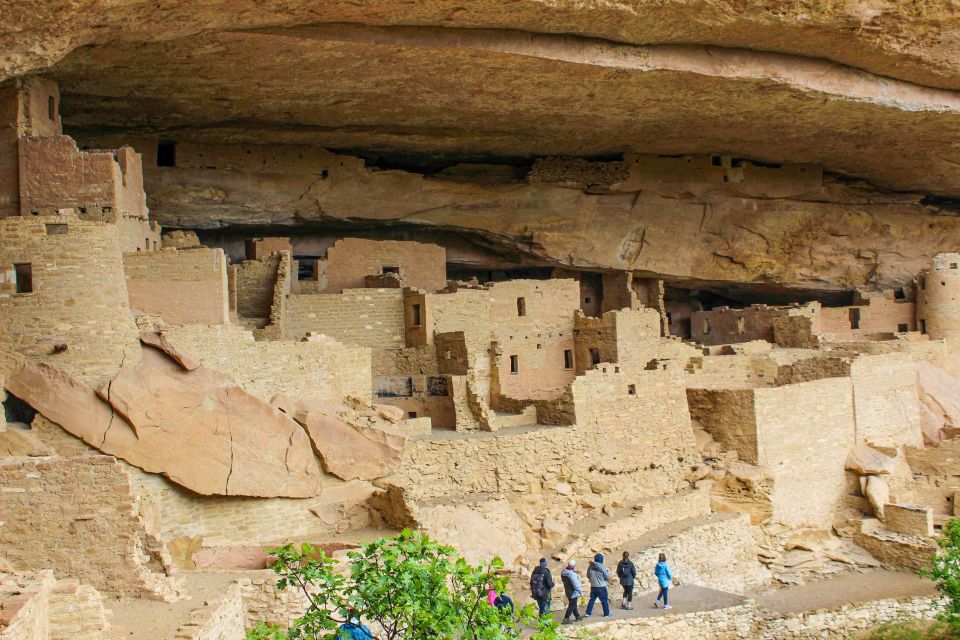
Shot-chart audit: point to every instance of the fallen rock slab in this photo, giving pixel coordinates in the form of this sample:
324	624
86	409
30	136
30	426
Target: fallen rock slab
16	441
196	427
157	340
210	435
865	460
352	452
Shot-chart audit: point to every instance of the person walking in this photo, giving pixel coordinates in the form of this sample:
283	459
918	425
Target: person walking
573	589
598	576
664	578
541	584
627	574
354	630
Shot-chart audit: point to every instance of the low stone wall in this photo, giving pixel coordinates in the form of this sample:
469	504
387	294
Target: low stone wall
35	606
847	621
746	621
265	603
222	619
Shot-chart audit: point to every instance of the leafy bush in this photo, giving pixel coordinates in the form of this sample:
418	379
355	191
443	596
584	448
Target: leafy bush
407	587
945	571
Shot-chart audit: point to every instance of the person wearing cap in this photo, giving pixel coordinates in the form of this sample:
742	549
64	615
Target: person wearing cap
573	589
353	630
598	575
541	585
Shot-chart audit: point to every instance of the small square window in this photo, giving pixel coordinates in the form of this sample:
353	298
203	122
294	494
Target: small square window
953	265
632	389
411	414
903	328
587	300
390	269
539	346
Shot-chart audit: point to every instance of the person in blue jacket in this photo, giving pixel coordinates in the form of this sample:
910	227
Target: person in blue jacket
664	577
354	630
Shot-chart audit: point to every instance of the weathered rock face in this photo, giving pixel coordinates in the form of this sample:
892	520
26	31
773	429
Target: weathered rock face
196	427
348	451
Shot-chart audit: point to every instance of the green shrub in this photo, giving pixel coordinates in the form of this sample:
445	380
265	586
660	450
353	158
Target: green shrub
409	586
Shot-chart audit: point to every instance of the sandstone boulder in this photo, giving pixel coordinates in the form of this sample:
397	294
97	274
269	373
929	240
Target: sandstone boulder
389	412
877	492
353	440
940	394
352	452
196	427
158	341
480	529
209	434
865	460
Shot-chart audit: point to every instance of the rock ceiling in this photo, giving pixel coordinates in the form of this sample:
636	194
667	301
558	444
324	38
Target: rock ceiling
869	88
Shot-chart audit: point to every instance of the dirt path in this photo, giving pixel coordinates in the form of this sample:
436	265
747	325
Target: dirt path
683	599
875	584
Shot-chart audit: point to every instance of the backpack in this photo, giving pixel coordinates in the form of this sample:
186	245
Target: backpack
503	602
538	584
567	584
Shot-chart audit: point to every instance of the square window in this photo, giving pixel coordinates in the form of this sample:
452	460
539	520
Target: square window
902	328
390	269
632	389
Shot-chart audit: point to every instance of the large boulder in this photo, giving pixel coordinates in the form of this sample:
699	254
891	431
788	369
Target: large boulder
196	427
479	529
351	445
865	460
940	400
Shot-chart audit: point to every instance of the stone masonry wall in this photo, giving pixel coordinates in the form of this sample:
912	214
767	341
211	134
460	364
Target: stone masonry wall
318	369
55	174
182	286
254	282
80	515
422	266
222	619
369	317
79	297
25	605
885	398
804	433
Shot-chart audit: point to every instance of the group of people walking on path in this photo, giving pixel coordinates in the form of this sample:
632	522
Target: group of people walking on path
598	577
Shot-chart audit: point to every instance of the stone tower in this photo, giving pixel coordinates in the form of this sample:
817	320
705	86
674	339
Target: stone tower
938	298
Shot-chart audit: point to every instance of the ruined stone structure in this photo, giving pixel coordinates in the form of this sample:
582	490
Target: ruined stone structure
574	279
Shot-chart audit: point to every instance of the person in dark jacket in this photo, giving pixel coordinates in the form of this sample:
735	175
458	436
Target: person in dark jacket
627	574
598	575
541	584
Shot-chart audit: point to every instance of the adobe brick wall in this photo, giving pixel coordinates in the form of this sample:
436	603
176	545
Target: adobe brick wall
79	515
79	297
725	325
350	260
369	317
882	313
182	286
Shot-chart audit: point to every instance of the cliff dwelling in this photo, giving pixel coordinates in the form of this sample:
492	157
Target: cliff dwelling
537	279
